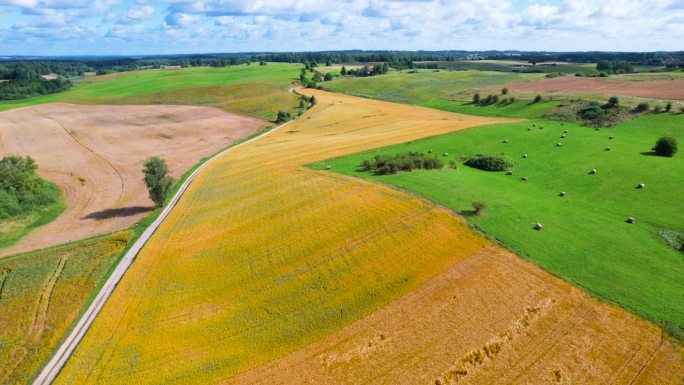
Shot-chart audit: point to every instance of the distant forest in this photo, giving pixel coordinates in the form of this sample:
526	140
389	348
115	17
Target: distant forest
22	77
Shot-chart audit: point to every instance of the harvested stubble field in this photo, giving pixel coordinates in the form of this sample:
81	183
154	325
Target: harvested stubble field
95	154
264	256
41	293
657	89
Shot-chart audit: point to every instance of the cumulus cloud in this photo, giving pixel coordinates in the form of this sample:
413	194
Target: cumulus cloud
231	25
140	12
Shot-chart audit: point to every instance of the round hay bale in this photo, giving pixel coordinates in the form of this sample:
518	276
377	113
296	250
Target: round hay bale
611	137
509	172
596	129
524	178
538	226
641	185
429	151
593	171
630	220
529	129
505	140
608	149
561	194
564	131
564	136
328	167
559	144
446	154
524	155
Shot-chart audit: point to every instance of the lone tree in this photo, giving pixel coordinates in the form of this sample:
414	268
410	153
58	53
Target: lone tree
157	179
504	91
666	146
476	98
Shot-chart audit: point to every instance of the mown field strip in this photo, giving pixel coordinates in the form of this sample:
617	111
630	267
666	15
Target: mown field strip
51	370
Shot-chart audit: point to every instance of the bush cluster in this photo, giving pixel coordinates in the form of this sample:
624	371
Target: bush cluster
386	164
489	162
21	190
666	146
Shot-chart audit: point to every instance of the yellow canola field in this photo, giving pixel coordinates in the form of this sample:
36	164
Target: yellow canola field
263	256
269	272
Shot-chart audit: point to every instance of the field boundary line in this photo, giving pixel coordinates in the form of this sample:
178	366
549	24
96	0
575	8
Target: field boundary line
50	371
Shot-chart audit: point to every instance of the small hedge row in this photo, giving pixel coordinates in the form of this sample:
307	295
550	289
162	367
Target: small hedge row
489	162
386	164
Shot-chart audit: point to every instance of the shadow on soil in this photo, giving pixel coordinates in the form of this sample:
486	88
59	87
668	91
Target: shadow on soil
119	212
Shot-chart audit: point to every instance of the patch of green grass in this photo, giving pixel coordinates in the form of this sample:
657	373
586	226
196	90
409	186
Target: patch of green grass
585	239
426	85
252	90
14	228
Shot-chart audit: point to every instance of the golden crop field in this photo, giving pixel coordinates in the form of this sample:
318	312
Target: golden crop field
41	294
264	256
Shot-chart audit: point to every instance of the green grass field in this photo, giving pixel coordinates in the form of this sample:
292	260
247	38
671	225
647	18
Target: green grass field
585	238
251	90
425	86
42	293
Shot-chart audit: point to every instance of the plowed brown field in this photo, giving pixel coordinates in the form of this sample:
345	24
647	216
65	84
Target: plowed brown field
95	155
264	259
657	89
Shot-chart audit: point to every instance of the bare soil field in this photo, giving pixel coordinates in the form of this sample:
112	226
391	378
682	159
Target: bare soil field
491	319
657	89
269	271
95	155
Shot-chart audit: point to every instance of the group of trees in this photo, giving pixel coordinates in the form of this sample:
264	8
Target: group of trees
615	66
391	164
493	99
21	189
20	89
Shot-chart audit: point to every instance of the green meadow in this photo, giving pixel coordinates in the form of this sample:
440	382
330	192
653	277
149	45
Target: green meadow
585	238
251	90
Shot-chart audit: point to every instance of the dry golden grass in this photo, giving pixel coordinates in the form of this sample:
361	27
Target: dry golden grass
264	256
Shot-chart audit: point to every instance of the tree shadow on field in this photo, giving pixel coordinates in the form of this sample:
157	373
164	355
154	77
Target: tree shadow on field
118	212
649	153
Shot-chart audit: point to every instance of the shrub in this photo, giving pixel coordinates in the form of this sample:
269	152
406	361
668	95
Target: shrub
657	109
666	146
537	99
386	164
668	107
21	189
283	117
504	91
489	162
641	107
476	98
613	102
479	207
593	113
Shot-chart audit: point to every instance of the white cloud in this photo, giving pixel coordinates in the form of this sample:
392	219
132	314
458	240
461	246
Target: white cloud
141	12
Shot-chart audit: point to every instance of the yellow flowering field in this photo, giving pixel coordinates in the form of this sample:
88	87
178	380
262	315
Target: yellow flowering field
263	255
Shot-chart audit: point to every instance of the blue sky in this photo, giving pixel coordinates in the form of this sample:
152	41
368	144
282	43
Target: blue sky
128	27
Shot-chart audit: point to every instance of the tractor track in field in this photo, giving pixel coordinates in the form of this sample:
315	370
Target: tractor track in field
71	134
50	371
